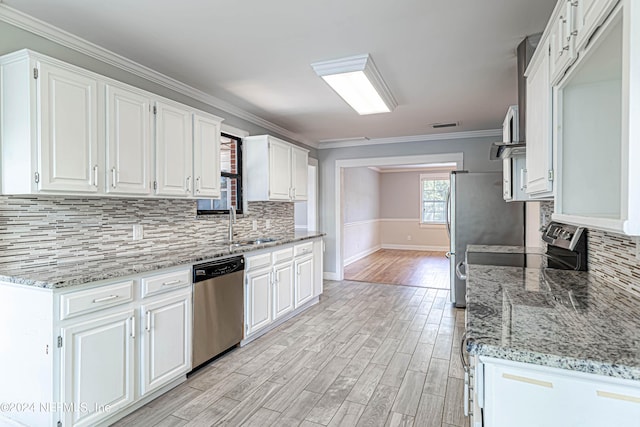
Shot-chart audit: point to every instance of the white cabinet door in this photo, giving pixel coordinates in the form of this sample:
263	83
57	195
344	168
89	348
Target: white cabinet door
588	16
279	170
174	150
283	287
68	119
206	156
561	41
258	308
524	398
539	142
300	173
304	279
166	340
128	142
97	367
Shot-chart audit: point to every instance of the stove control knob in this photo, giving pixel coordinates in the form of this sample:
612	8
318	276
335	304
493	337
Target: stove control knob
566	235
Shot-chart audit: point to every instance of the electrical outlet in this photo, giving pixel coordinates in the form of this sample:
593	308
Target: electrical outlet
138	232
409	237
255	225
637	247
267	224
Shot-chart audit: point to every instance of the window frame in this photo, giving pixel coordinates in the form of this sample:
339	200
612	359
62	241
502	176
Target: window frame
238	176
433	176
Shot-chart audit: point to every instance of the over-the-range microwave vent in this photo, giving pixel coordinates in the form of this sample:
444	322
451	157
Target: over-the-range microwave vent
505	150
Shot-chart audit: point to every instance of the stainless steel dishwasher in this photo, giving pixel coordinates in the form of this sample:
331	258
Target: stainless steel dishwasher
218	315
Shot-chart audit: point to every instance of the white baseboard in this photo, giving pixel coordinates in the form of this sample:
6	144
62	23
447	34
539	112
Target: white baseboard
416	247
361	255
330	275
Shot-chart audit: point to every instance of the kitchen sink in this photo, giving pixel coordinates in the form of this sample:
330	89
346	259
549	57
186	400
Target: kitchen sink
250	242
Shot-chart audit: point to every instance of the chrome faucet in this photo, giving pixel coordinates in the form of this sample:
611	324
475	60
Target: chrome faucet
232	220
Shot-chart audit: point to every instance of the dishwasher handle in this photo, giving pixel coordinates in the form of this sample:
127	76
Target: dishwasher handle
218	268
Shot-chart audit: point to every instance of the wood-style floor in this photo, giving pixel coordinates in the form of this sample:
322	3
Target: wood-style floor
398	267
366	355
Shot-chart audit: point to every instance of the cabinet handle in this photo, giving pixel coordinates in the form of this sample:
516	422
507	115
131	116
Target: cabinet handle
198	184
171	283
105	299
528	380
113	177
294	193
133	326
188	184
523	186
148	321
95	175
618	396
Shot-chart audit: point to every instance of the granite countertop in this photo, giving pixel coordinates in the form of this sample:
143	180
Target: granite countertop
60	275
557	318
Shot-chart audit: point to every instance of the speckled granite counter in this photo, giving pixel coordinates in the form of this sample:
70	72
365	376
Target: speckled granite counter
504	249
60	275
556	318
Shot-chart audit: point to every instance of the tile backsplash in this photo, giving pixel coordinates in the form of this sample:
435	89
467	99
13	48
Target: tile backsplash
49	230
611	257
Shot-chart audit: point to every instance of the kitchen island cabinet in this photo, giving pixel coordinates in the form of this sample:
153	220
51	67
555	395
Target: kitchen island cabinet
551	347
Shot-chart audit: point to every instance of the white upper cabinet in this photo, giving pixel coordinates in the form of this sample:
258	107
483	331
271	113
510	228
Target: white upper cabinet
561	39
539	171
279	170
49	127
589	14
128	141
598	133
300	173
68	131
67	114
275	169
206	155
174	150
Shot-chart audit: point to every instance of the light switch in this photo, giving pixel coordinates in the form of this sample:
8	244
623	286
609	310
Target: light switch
255	225
267	224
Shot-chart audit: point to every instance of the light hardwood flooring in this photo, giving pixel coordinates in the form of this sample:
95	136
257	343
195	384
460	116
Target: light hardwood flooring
366	355
400	267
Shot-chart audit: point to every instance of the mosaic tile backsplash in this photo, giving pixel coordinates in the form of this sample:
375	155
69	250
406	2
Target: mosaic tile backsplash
611	257
53	230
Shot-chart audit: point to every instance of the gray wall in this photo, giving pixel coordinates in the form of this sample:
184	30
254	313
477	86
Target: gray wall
476	159
361	194
13	38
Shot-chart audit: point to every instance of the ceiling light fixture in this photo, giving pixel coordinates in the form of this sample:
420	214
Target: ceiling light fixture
358	82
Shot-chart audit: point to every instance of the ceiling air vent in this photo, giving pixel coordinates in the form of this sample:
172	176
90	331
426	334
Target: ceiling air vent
445	125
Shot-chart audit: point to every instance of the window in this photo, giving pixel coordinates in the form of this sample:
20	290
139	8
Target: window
433	198
230	179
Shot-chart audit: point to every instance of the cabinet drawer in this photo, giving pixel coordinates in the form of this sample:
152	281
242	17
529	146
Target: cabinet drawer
303	249
282	255
153	285
258	261
76	303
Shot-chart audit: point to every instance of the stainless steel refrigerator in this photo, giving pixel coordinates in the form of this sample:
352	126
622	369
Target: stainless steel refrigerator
478	215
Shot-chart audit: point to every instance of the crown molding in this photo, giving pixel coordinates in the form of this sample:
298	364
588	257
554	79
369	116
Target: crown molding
71	41
361	142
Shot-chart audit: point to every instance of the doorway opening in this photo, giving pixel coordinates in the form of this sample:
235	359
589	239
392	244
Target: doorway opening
388	232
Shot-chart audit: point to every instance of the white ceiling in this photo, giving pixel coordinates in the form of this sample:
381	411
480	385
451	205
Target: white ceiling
444	61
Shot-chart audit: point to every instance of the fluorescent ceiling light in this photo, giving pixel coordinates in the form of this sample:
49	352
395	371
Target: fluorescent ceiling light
358	82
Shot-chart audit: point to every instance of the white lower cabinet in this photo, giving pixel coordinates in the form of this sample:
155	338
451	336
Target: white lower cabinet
280	282
531	395
258	300
283	289
304	279
88	356
165	340
97	366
